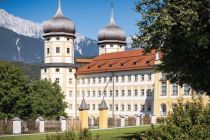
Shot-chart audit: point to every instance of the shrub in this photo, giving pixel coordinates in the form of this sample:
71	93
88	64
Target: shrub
161	120
192	123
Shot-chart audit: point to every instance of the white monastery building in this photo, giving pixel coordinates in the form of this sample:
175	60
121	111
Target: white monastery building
127	80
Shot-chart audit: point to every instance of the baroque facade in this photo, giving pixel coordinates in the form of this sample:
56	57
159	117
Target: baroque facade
127	80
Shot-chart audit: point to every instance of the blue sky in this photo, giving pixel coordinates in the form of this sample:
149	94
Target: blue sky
88	15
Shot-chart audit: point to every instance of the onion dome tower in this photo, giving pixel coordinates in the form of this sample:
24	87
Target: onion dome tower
111	38
59	66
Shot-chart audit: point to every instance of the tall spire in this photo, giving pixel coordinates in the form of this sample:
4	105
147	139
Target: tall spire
59	12
112	21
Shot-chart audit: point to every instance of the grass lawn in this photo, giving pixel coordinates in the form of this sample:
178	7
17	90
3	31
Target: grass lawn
111	134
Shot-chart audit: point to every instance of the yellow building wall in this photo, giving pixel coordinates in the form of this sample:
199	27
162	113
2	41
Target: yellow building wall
169	100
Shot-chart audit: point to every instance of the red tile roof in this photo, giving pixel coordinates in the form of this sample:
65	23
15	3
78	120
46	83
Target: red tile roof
119	61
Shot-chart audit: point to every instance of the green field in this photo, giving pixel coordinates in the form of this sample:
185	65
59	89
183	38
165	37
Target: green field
111	134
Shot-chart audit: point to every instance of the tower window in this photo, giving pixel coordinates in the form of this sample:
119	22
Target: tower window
68	50
57	49
70	81
57	80
48	50
57	69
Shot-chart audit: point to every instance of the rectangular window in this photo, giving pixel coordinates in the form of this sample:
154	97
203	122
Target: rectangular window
88	80
186	89
68	50
129	92
142	108
70	70
83	94
136	78
136	92
99	93
123	93
94	80
110	93
70	80
83	81
70	106
122	107
142	77
116	79
110	107
149	92
48	50
94	107
174	89
94	93
129	107
57	49
149	77
164	88
116	107
135	107
57	70
99	80
70	93
45	70
105	94
57	80
123	78
110	79
142	92
105	80
116	93
88	94
129	78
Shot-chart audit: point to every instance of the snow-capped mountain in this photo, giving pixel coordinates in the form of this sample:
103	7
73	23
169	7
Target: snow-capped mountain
19	32
21	40
19	25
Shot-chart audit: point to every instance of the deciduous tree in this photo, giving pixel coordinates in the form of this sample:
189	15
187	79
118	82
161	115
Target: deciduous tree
180	29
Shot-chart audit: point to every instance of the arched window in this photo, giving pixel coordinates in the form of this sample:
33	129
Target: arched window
163	109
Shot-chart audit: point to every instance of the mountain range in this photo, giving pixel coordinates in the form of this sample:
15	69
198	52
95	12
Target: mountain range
21	40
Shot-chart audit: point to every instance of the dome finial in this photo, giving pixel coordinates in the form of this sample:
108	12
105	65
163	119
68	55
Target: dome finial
59	12
112	21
